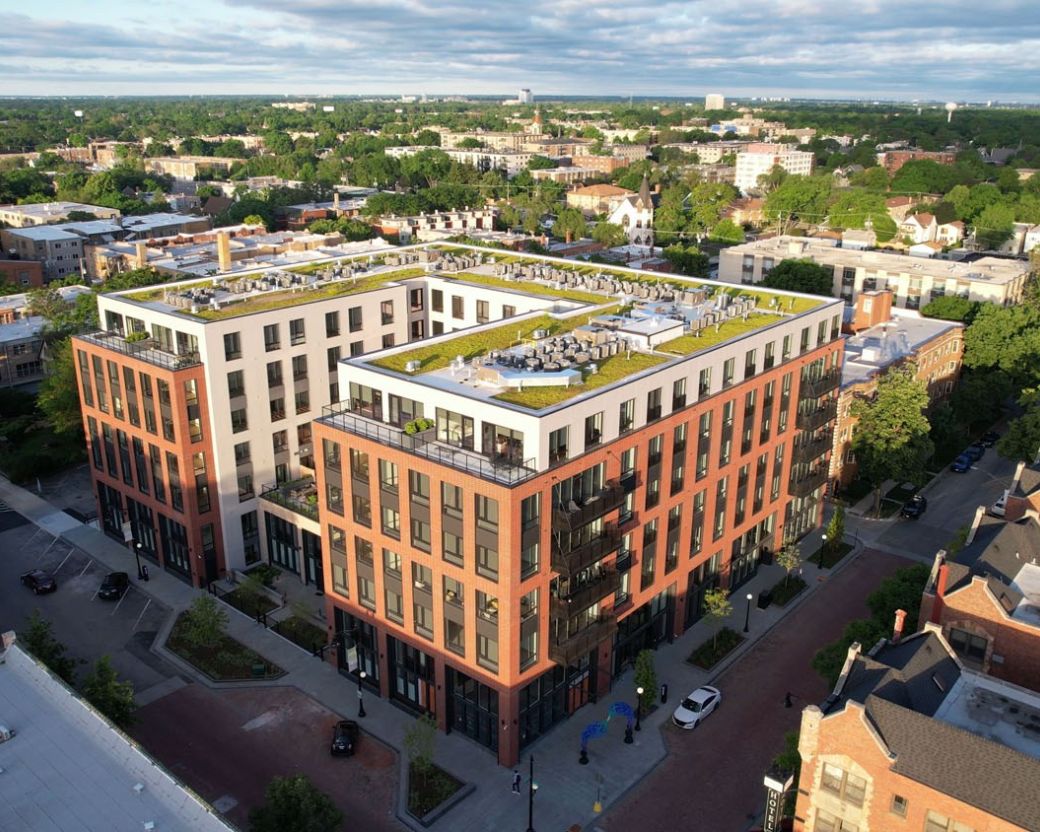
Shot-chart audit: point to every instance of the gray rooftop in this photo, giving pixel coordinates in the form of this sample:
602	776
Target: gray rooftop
68	770
872	350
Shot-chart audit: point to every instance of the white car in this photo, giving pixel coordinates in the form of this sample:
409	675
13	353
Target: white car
694	709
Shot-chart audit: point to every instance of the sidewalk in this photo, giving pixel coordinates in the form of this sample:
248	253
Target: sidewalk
567	790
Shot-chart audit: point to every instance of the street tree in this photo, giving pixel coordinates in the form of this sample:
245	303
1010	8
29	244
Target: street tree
717	608
204	622
58	398
104	690
294	804
800	276
891	438
419	745
1022	440
38	638
789	558
645	677
836	528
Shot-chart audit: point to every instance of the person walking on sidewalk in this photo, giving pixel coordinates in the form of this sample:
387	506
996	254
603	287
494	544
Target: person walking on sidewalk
516	782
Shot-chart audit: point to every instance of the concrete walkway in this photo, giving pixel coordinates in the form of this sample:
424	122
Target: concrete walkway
567	790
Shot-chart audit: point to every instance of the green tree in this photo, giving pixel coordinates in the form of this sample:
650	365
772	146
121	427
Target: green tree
293	804
469	143
717	608
688	260
977	399
789	558
204	622
609	234
798	198
891	436
995	225
1008	339
38	638
539	162
58	398
645	677
570	224
254	219
836	528
104	690
951	308
800	276
1022	440
419	744
727	231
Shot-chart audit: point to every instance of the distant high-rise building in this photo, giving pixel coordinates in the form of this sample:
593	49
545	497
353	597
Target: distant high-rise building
525	96
714	101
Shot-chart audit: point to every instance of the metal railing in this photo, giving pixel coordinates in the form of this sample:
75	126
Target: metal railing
584	555
808	451
606	499
566	650
806	485
146	349
288	495
814	387
606	583
421	444
817	418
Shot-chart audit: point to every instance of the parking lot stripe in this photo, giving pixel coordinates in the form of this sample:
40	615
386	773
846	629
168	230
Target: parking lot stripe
33	536
138	621
119	603
45	551
69	555
85	568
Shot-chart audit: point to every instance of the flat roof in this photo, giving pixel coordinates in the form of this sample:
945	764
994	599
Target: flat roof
68	770
50	209
42	233
993	709
986	269
872	350
22	329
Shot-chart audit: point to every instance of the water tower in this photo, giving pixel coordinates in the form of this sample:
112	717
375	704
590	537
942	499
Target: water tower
950	107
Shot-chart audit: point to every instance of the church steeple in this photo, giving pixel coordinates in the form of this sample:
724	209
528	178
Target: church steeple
644	199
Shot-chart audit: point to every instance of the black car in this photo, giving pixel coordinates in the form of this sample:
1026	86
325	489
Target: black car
962	464
345	738
975	452
989	439
114	586
914	507
39	581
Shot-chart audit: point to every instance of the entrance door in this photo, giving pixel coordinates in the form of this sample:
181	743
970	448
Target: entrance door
578	687
312	559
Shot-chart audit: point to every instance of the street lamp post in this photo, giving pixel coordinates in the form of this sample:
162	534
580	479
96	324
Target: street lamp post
532	787
747	613
823	551
360	695
137	556
639	707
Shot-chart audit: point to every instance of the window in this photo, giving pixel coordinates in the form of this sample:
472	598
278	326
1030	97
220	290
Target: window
388	476
274	374
483	311
357	348
487	562
423	620
277	409
236	384
232	346
242	455
366	592
727	373
354	321
653	405
386	312
451	547
421	534
899	805
176	494
388	340
360	506
332	355
529	560
769	359
457	309
297	334
415	300
280	441
970	647
363	550
394	606
331	324
436	300
750	363
299	367
627	416
508	311
487	652
419	487
934	822
826	822
451	499
593	429
558	444
487	513
272	339
303	401
704	383
848	787
454	637
391	520
678	394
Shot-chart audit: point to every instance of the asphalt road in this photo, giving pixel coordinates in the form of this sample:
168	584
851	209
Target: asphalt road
86	625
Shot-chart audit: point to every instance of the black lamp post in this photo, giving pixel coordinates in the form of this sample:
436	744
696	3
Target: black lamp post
639	707
532	787
137	554
360	695
747	613
823	552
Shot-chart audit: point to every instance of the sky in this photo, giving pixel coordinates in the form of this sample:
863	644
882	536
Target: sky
952	50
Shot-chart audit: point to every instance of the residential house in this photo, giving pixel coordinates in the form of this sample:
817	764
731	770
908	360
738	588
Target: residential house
919	228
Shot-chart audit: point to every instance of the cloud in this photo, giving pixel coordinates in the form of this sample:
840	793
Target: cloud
925	49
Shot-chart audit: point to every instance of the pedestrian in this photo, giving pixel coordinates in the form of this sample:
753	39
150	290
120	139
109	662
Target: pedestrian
787	700
516	782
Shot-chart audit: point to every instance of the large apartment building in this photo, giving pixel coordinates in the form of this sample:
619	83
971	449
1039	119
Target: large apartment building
759	158
603	446
914	281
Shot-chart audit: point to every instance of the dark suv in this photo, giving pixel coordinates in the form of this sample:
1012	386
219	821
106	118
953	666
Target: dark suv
344	738
114	586
914	507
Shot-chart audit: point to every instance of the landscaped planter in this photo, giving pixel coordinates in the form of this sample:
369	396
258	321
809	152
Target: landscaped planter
227	661
429	801
714	650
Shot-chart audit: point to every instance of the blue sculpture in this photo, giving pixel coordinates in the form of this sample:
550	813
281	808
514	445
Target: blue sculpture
598	729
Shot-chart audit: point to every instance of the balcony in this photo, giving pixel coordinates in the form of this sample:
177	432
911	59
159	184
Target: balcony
566	650
814	388
147	349
814	448
584	596
817	418
806	485
500	470
580	557
300	496
574	516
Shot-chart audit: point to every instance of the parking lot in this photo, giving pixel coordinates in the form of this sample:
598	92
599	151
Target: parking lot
88	626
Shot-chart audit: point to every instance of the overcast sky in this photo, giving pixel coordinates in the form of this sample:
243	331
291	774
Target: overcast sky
863	48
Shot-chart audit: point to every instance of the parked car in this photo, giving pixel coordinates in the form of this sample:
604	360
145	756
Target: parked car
696	707
914	507
989	439
962	464
345	736
39	581
975	452
114	586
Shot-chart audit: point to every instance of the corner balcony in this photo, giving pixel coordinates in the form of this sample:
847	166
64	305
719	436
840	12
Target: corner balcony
818	417
814	388
813	449
586	554
146	349
299	496
566	650
582	597
575	515
807	484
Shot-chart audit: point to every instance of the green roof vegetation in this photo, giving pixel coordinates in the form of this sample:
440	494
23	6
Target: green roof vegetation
157	292
790	305
609	370
732	328
531	288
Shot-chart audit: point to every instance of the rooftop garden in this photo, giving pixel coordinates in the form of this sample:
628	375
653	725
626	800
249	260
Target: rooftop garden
530	288
159	291
609	370
708	337
784	303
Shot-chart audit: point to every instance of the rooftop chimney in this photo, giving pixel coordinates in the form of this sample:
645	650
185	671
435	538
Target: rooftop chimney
897	629
224	251
335	201
980	512
141	251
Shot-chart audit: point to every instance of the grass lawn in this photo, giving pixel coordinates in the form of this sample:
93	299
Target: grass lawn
531	288
301	632
610	370
834	554
426	793
786	589
226	661
688	344
711	652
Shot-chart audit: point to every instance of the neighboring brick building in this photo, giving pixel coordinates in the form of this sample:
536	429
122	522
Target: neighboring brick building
26	274
911	740
893	160
885	338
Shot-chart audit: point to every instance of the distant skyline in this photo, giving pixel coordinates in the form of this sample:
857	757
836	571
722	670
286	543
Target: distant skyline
799	48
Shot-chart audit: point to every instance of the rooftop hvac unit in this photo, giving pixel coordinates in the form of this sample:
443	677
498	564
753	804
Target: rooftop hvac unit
538	334
412	366
5	733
